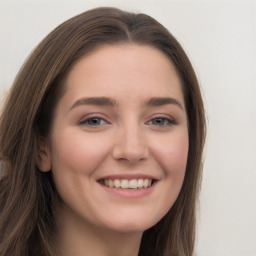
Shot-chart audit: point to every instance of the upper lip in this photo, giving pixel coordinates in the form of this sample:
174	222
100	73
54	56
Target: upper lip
128	176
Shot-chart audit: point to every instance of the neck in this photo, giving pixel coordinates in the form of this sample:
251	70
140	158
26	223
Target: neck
77	237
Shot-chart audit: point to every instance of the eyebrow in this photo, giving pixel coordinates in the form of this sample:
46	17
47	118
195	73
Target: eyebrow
97	101
105	101
155	102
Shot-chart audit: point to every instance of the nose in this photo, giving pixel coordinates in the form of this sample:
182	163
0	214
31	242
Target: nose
130	145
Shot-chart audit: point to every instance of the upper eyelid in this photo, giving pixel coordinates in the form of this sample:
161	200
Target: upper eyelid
164	118
171	119
92	116
161	115
107	119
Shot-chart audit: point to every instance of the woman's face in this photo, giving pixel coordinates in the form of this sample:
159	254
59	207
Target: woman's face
121	122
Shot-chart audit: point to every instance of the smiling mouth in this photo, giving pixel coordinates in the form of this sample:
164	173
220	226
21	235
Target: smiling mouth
127	184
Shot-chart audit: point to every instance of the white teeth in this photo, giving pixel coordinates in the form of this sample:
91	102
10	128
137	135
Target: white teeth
145	183
125	183
133	184
140	183
111	184
117	183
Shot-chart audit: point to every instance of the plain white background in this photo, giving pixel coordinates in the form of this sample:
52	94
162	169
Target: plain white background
220	39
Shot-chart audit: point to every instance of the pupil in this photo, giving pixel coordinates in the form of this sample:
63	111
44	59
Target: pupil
94	121
158	121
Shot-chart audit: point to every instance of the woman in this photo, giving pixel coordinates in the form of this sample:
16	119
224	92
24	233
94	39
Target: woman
102	138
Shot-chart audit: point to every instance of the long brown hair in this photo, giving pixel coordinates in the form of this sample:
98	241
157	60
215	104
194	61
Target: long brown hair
28	197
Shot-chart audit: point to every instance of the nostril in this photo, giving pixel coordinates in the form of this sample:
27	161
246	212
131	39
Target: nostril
130	147
130	155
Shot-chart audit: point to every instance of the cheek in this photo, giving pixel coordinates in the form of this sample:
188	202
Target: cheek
78	152
75	158
172	154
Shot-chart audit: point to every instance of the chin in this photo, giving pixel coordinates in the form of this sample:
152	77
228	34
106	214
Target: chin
132	225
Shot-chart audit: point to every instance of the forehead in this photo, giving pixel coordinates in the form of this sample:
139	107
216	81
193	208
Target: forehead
125	69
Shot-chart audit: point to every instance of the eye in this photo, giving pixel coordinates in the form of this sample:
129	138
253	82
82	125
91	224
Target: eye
93	121
162	121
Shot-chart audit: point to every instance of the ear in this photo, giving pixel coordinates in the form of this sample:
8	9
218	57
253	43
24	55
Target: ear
43	160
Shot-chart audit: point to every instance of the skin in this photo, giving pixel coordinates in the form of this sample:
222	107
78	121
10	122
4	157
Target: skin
131	137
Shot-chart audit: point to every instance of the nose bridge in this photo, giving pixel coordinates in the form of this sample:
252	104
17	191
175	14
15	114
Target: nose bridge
131	144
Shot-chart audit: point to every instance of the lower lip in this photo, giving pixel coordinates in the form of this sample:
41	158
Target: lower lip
130	193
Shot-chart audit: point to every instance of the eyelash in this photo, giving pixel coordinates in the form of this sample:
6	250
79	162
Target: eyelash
93	118
167	121
98	121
